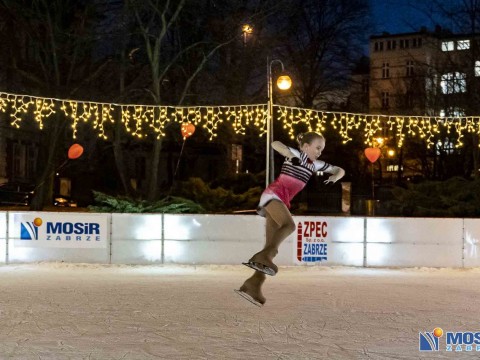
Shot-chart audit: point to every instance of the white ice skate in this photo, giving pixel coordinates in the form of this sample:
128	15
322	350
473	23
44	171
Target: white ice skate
260	267
248	297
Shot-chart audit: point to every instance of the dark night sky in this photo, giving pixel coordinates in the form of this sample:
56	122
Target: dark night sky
399	16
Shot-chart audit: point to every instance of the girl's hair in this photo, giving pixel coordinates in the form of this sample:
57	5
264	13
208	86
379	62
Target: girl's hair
308	137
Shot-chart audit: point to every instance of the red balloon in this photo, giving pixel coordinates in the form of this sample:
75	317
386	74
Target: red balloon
75	151
372	154
187	130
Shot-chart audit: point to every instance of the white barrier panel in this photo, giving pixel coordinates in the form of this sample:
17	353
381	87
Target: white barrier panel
136	238
232	239
213	239
46	236
472	242
411	242
3	237
328	240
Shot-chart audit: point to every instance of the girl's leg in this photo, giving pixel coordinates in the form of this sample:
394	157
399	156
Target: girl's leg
253	286
279	225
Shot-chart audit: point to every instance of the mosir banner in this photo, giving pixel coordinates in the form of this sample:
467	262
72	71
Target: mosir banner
60	230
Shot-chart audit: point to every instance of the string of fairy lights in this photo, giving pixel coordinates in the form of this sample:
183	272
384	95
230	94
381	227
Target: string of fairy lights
141	121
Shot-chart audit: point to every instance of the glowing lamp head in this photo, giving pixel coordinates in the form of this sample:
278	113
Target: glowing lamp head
247	29
284	82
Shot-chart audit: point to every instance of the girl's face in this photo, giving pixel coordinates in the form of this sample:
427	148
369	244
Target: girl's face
314	149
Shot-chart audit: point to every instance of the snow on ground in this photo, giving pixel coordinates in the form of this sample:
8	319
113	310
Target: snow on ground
80	311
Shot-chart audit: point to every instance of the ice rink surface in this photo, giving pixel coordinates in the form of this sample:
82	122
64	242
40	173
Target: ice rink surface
80	311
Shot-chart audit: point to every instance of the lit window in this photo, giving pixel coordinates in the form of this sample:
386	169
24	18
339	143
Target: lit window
477	68
448	46
463	44
452	83
452	112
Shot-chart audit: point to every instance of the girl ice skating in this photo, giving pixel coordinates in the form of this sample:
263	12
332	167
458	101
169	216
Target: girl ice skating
274	205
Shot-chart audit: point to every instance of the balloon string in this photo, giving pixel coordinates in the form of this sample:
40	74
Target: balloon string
373	184
179	158
53	172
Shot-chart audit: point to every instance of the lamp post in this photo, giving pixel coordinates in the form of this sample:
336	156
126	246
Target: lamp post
284	82
246	30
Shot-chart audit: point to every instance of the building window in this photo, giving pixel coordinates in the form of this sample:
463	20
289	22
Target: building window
385	100
365	86
452	83
391	44
379	46
477	68
448	46
463	44
409	99
385	70
409	68
404	44
23	161
452	112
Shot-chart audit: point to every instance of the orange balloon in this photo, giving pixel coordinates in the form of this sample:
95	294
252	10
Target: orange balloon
75	151
187	130
372	154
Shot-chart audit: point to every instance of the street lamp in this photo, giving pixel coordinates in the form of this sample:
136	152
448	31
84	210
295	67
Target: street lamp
284	82
246	30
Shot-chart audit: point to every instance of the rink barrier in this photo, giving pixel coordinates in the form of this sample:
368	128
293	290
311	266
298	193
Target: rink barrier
230	239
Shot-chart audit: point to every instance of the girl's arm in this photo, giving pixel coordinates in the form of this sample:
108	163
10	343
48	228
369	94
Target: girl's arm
284	150
336	174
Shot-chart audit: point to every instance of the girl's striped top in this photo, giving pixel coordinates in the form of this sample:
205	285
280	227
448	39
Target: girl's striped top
306	168
292	179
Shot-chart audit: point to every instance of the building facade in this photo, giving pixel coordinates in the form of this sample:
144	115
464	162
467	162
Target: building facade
424	73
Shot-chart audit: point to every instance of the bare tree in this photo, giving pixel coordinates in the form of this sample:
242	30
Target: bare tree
321	42
179	45
55	41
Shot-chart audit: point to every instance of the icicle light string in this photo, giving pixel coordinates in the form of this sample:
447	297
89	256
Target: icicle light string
141	120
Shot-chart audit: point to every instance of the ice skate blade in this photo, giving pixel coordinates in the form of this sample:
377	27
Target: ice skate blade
248	297
260	267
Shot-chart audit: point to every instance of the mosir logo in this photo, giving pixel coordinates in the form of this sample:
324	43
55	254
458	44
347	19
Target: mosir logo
54	230
73	231
312	241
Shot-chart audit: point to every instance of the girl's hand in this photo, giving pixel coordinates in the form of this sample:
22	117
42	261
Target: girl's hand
339	173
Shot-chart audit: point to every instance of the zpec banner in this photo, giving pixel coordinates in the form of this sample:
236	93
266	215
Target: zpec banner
312	241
